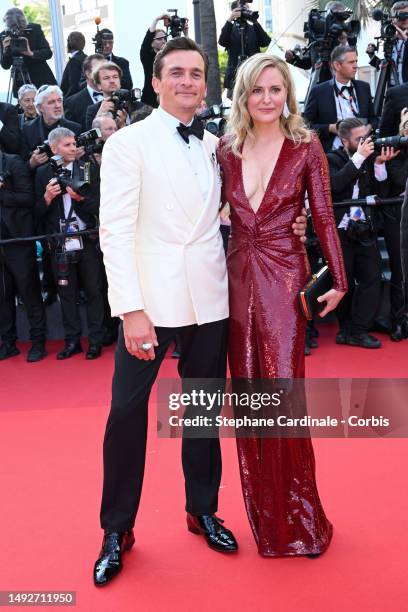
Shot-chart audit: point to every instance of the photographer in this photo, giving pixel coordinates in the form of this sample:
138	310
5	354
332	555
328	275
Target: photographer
10	136
26	40
153	42
26	97
399	12
107	77
241	39
356	171
49	105
73	70
77	105
340	98
107	125
18	265
107	38
73	259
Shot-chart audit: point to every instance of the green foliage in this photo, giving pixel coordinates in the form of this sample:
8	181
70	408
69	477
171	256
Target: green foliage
222	61
36	12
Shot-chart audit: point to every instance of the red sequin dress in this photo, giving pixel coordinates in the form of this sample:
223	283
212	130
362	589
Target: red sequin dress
267	266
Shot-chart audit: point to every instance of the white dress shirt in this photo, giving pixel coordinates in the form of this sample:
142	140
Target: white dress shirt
344	109
194	151
92	91
398	56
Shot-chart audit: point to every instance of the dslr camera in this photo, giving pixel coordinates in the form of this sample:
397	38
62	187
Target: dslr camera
215	118
175	25
246	14
64	179
388	29
45	148
88	141
397	142
124	99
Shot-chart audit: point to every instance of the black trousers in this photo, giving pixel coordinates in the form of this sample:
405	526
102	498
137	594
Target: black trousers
391	218
356	311
19	274
88	274
203	355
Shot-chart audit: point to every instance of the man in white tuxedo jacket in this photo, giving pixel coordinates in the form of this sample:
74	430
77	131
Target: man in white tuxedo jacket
164	258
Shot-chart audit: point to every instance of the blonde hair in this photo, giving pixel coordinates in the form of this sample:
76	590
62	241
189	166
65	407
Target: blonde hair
240	124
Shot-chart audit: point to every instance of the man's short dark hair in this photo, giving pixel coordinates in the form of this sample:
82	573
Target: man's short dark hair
76	41
87	64
338	53
346	126
180	43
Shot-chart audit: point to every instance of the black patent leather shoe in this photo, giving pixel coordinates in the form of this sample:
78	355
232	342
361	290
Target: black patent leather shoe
396	334
8	349
218	537
36	352
109	562
70	349
364	340
93	352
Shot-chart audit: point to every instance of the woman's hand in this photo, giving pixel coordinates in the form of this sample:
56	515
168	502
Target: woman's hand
332	298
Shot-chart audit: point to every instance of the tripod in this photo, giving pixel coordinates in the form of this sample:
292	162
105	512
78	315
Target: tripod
388	69
18	76
322	72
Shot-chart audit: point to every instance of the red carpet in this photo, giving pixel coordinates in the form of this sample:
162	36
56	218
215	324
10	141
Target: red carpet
52	418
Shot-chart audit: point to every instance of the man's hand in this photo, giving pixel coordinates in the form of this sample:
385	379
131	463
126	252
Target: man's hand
53	190
2	185
332	298
333	128
299	226
387	153
107	106
365	147
74	195
80	152
121	118
234	15
6	43
28	51
38	159
138	330
401	34
289	55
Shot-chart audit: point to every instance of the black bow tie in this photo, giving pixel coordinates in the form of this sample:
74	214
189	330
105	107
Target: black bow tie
195	129
348	88
97	96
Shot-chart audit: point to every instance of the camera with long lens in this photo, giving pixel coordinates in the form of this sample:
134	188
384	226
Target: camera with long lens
397	142
18	42
388	30
215	118
246	14
323	31
64	179
88	141
125	99
100	37
45	148
175	25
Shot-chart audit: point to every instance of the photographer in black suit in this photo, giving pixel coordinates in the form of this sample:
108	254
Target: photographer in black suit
356	172
49	104
107	78
396	100
108	40
10	136
60	209
73	70
153	42
76	106
18	266
340	98
26	99
35	51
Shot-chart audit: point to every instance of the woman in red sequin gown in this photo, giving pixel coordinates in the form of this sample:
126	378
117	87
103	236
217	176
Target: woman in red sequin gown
267	266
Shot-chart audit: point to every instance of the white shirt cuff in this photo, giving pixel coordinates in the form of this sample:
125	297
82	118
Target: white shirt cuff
380	172
358	160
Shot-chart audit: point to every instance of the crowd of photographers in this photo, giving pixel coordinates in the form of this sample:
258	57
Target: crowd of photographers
51	145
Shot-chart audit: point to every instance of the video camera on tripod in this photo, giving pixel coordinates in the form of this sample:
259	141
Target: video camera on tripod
388	29
175	25
323	31
18	40
215	118
246	14
100	37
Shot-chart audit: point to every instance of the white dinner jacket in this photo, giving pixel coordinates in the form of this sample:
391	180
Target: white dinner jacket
157	257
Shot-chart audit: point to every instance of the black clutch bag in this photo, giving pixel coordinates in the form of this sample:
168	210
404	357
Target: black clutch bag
320	283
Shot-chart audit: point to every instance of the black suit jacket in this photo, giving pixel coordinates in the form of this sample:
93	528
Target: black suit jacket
147	55
72	74
76	106
51	215
17	199
321	111
123	63
39	71
344	175
35	132
91	113
395	100
10	134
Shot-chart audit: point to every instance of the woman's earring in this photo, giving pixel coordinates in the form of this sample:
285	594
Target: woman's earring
286	111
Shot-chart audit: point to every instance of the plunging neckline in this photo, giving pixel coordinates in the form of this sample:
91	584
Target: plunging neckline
255	212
